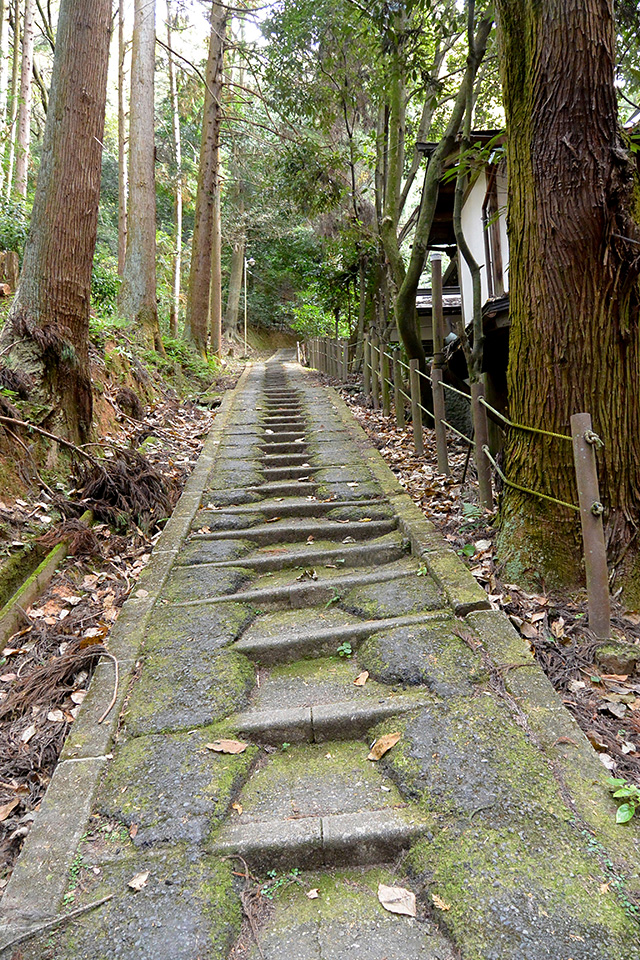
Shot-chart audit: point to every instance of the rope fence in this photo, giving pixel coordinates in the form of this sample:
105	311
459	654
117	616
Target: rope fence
384	373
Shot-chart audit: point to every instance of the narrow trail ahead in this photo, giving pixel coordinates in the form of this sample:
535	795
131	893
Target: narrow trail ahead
294	564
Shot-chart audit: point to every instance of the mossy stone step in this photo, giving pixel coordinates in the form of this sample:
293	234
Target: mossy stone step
292	531
280	557
320	804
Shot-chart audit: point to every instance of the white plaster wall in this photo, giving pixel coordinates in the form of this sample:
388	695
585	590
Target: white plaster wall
474	235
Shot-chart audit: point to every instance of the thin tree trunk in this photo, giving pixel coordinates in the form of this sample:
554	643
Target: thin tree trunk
138	291
215	292
196	322
3	61
574	290
47	332
174	310
235	287
15	80
122	141
24	111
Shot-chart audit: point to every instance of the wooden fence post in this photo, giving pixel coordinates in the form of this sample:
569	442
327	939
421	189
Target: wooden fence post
398	399
345	361
366	372
416	412
386	392
375	373
591	510
439	415
481	431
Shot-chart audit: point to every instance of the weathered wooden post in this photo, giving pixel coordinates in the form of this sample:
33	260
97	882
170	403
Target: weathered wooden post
375	373
416	412
398	399
386	386
366	367
439	405
591	511
345	361
481	431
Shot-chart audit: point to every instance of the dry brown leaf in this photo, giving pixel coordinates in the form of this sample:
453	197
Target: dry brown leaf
28	733
397	900
78	696
6	808
133	830
237	807
529	631
139	881
362	678
313	894
383	745
56	716
227	746
439	902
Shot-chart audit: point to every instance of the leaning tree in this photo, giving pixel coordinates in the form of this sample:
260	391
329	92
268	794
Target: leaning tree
46	335
574	269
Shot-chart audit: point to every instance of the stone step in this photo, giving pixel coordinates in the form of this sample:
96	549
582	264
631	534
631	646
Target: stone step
290	531
282	436
310	592
293	472
305	641
280	447
386	550
284	488
320	804
319	723
305	506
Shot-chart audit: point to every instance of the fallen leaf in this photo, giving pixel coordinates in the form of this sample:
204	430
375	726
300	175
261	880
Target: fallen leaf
6	808
362	678
78	696
139	881
616	677
606	760
8	677
529	631
383	745
141	594
133	830
28	733
439	902
227	746
313	894
557	628
397	900
349	540
56	716
237	807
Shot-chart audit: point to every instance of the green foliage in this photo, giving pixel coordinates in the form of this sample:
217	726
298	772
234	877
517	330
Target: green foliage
105	284
629	794
14	226
277	882
345	649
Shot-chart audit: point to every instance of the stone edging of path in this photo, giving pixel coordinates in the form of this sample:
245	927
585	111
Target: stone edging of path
59	824
532	697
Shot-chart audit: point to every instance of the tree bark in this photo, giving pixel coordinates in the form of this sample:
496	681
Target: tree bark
574	290
24	109
46	334
138	291
174	310
196	323
215	290
13	102
123	186
235	287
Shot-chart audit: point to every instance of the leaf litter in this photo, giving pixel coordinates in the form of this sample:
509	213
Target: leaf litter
49	662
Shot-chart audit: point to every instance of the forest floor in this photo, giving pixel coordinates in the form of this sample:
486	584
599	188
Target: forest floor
599	689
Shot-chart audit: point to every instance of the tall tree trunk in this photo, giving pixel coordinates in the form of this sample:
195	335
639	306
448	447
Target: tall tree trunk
3	60
15	80
215	291
574	291
138	291
24	110
235	287
122	141
47	332
174	310
195	329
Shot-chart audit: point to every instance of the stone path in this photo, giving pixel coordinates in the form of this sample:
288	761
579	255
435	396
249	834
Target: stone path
295	562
